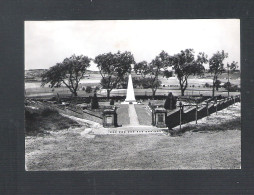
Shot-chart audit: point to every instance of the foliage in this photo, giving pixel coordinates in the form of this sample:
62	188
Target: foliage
185	64
231	67
140	82
217	84
97	88
207	85
69	72
112	102
230	87
151	71
95	103
170	102
113	68
167	73
227	85
88	89
216	66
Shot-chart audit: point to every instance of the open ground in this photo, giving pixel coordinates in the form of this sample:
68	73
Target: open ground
214	143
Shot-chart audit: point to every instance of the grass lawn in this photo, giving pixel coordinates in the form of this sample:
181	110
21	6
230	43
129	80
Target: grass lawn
123	114
215	143
193	150
144	115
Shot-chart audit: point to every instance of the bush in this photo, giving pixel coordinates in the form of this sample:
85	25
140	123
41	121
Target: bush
112	102
170	102
88	89
207	85
231	87
88	100
96	89
48	111
95	103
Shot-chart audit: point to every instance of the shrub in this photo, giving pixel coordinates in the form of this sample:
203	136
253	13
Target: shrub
48	111
96	89
207	85
112	102
88	89
231	87
88	100
94	103
170	102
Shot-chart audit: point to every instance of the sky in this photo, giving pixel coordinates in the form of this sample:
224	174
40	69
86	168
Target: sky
50	42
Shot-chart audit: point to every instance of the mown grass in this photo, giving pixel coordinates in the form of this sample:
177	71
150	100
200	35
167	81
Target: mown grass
217	150
144	115
123	114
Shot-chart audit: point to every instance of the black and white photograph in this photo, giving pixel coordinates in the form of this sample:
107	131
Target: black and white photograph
161	94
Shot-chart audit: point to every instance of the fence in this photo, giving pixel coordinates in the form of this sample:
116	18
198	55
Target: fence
198	111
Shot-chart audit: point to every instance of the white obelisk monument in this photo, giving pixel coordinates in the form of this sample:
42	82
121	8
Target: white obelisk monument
130	97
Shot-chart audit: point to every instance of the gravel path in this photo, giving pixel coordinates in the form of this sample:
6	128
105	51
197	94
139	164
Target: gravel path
133	116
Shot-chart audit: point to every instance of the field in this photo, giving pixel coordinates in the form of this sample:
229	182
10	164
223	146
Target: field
34	88
214	143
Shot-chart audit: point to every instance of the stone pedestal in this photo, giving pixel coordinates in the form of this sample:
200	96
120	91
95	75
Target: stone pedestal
159	117
110	118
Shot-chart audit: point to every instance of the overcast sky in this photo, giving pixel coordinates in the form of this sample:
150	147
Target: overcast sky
49	42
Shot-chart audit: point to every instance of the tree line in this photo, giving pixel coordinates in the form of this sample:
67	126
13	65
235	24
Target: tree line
114	67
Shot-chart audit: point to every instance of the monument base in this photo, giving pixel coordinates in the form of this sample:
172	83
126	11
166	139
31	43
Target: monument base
129	102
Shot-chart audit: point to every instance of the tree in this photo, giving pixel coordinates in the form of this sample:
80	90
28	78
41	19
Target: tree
151	71
216	66
207	85
217	84
111	102
113	68
69	72
185	64
97	88
95	103
88	89
227	86
231	67
170	102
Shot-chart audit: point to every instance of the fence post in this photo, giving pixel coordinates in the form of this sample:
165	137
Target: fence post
207	112
180	104
196	113
216	104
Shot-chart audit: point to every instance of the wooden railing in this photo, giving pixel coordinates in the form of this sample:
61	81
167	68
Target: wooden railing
197	111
